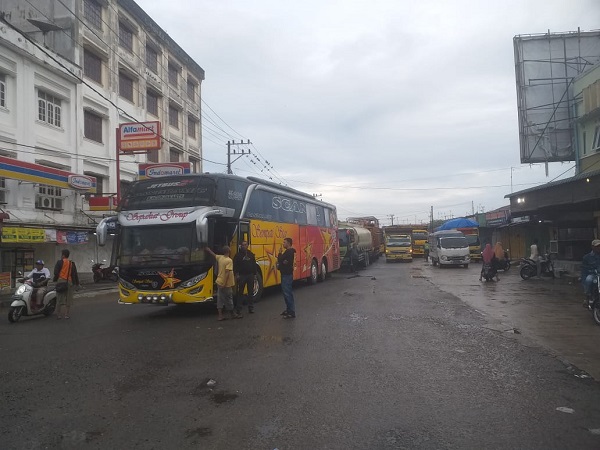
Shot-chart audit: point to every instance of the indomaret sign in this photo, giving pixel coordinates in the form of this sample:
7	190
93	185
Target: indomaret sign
139	136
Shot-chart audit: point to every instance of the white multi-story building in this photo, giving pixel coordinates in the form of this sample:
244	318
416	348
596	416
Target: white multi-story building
72	71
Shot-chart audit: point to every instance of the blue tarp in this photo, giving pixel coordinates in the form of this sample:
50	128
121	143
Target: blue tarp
459	222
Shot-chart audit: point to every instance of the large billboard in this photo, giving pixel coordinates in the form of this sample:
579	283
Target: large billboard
545	66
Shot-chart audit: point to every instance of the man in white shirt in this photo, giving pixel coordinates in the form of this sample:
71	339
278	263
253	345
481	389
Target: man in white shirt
535	255
37	275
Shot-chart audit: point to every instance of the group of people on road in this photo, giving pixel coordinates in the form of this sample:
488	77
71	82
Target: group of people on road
240	273
65	273
491	258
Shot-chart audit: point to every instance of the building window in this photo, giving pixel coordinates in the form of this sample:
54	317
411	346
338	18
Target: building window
152	156
151	59
3	91
3	191
99	183
596	141
92	12
173	117
49	109
174	155
92	66
191	89
126	86
49	197
173	74
195	165
125	37
152	102
192	127
92	126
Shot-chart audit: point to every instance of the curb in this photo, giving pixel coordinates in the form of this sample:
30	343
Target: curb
84	292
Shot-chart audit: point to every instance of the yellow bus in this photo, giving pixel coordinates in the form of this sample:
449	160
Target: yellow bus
163	225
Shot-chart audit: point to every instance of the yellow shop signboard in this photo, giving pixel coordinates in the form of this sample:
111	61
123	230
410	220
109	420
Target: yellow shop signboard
23	235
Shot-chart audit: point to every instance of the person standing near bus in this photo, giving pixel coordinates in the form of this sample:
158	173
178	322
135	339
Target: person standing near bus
244	268
285	264
225	283
65	271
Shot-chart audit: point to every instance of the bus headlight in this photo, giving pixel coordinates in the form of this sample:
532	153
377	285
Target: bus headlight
126	284
193	281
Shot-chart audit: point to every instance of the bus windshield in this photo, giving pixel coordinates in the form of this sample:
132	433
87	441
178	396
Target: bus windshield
177	193
160	245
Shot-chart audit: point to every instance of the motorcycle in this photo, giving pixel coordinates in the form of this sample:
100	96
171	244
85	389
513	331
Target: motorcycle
22	300
488	272
104	273
594	299
529	267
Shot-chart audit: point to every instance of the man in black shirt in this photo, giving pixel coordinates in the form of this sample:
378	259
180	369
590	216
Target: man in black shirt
244	268
285	264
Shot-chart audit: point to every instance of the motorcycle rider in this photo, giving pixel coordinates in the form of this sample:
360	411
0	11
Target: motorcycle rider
38	275
488	257
591	261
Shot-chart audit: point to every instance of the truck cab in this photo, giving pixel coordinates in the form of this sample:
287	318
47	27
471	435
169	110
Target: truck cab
449	248
398	247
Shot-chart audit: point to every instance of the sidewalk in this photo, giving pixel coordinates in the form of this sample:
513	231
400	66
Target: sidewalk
88	287
543	311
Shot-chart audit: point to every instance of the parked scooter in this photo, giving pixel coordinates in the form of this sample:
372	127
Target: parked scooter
529	268
104	273
23	301
594	299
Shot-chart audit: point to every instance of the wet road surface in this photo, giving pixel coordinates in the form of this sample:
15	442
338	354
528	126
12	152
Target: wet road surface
384	360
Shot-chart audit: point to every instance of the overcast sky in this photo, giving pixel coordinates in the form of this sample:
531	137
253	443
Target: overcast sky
382	106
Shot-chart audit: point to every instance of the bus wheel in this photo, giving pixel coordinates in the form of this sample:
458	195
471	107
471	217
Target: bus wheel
258	286
323	274
314	273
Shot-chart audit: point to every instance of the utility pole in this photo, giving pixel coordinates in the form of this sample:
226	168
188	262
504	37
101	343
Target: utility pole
391	216
235	152
472	208
431	220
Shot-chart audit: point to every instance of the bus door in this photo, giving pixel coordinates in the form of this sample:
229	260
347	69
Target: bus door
244	232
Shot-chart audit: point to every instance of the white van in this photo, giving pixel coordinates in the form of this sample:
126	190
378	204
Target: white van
449	248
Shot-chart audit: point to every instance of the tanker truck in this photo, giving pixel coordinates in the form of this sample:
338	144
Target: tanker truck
356	246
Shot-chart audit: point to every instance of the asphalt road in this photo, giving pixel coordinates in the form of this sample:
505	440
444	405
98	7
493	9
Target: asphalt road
384	360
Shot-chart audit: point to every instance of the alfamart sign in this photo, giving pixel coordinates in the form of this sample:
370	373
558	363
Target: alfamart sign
139	136
158	170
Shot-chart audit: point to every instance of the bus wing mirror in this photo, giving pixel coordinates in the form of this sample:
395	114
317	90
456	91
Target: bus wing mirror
105	226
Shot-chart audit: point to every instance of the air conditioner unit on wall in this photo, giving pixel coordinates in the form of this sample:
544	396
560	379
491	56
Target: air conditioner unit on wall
48	202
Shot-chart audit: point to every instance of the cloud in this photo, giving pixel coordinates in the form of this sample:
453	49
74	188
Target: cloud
345	97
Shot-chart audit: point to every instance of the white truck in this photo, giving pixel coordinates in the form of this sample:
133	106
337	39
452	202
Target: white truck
449	248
